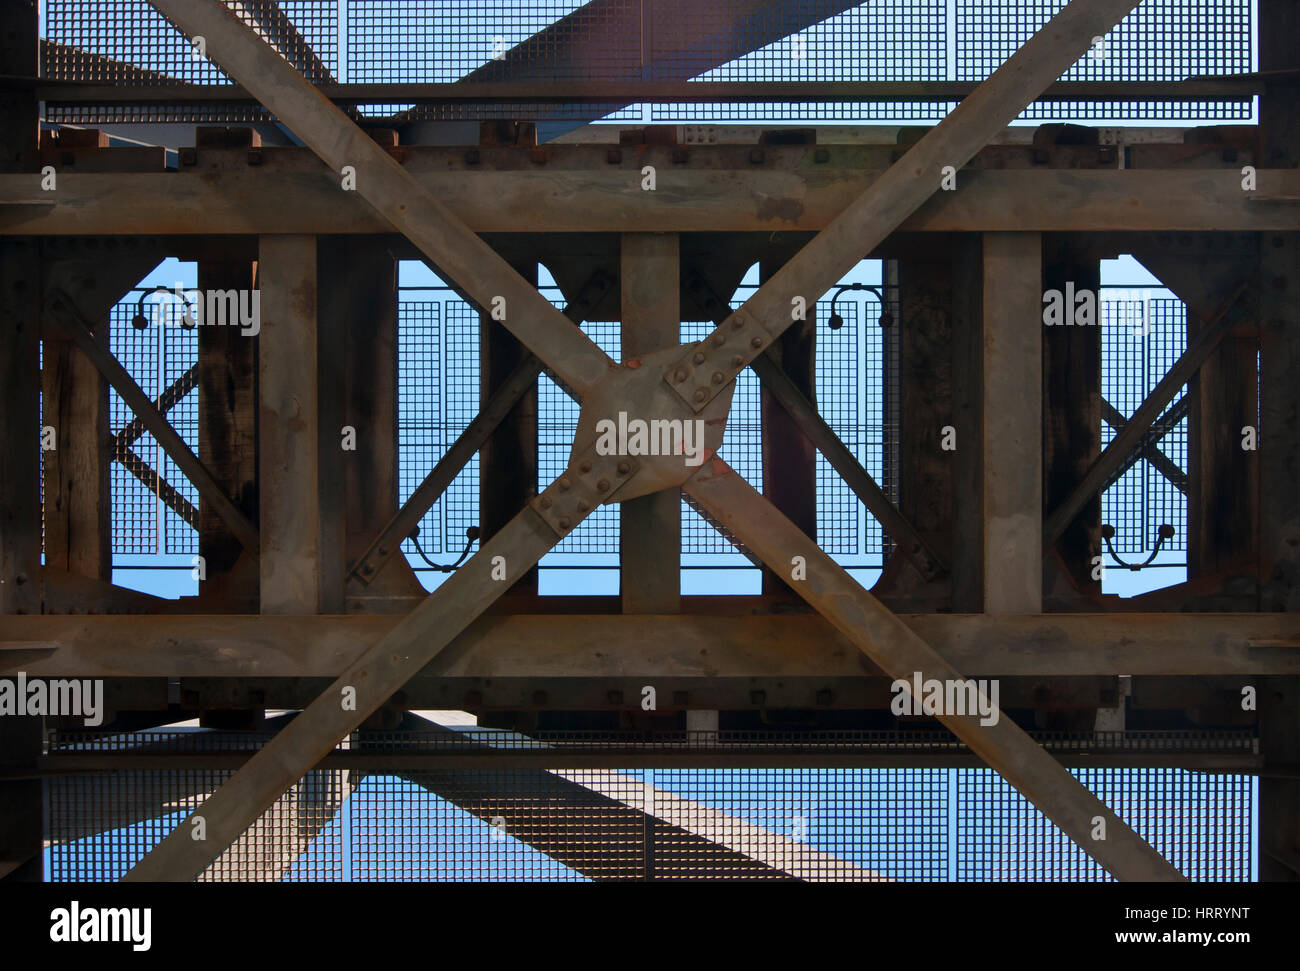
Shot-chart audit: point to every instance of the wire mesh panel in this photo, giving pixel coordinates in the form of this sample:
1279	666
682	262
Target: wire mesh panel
129	42
698	820
810	40
1142	337
1161	40
1201	823
153	505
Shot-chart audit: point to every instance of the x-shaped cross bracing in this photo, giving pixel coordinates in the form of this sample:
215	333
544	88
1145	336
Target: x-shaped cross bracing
674	383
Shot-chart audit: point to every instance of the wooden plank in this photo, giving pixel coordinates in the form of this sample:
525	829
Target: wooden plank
650	536
1013	423
689	645
227	411
289	557
967	565
299	198
20	486
1071	372
901	654
508	458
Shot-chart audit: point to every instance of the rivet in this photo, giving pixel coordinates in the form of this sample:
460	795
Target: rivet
624	468
756	343
565	484
717	377
737	361
679	375
583	505
698	358
737	323
602	485
564	522
719	339
546	502
701	395
585	466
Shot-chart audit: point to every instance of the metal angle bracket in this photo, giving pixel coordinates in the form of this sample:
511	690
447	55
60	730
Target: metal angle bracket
584	485
714	362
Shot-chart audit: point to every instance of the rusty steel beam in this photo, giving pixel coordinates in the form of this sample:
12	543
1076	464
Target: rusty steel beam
901	654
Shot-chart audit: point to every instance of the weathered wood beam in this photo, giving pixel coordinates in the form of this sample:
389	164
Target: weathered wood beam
289	516
687	645
20	376
298	197
901	654
650	534
1013	423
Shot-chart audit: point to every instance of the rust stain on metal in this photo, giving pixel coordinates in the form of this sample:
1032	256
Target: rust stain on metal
786	210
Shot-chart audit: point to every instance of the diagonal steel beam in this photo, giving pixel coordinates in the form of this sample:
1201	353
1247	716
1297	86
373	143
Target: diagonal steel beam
274	26
1122	445
893	197
475	435
154	482
168	400
901	654
384	668
1148	448
381	181
59	310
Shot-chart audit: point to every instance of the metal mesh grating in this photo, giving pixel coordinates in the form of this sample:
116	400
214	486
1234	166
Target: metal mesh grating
159	358
1133	362
545	822
1161	40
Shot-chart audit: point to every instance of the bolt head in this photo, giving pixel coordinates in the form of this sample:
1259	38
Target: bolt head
602	485
737	361
565	484
719	339
679	375
624	468
718	377
701	395
565	522
583	505
546	502
585	466
756	343
698	357
737	323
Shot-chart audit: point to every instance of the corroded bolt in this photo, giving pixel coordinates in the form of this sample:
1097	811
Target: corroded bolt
756	343
624	468
737	361
602	485
585	466
717	377
565	484
546	502
565	523
737	323
719	339
698	358
679	375
701	395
